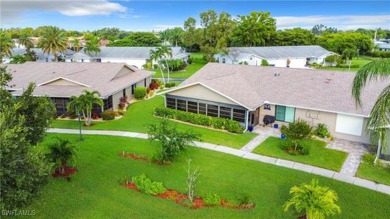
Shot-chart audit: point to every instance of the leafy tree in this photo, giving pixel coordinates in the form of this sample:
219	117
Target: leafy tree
6	45
18	59
165	36
53	41
255	29
166	53
61	152
176	36
338	42
138	39
320	29
297	131
173	142
315	200
84	104
295	37
23	170
349	53
380	113
76	44
192	36
264	62
92	46
25	40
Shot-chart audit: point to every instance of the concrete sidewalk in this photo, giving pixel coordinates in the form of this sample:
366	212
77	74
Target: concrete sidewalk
248	155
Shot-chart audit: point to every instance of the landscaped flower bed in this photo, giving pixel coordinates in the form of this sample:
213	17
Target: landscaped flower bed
158	190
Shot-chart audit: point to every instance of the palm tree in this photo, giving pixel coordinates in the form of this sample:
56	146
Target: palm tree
177	35
166	53
76	44
316	201
379	120
156	55
25	40
6	45
92	46
84	103
53	41
165	36
61	151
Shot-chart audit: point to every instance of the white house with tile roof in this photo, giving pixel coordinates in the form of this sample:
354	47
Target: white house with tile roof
249	93
60	81
277	56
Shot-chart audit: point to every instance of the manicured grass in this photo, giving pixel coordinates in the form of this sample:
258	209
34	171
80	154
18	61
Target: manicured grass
94	191
318	154
197	63
361	61
140	114
374	173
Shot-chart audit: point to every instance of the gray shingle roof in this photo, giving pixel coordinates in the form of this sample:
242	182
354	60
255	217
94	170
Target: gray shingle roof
97	76
130	52
276	52
314	89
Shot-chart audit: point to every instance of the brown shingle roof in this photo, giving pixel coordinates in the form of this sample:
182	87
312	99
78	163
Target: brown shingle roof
96	76
303	88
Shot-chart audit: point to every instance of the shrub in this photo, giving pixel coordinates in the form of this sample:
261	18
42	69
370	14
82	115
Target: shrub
120	112
170	84
347	66
147	65
176	64
189	61
140	93
264	62
382	54
333	59
322	131
292	149
199	119
244	200
108	115
212	199
297	131
146	185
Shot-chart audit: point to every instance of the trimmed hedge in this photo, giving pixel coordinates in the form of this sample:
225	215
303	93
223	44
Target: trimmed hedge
108	115
199	119
140	93
170	84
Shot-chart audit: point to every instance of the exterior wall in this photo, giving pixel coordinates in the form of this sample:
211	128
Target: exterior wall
115	99
294	62
315	117
202	93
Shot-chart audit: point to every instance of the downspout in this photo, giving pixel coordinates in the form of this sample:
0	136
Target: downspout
246	121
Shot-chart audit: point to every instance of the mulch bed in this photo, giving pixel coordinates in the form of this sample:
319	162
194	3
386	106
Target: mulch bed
142	158
68	171
182	199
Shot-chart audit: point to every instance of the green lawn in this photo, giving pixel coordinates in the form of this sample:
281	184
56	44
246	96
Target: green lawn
197	63
361	61
94	191
141	113
318	155
374	173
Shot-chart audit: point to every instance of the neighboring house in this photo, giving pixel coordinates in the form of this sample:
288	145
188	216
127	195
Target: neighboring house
42	57
382	45
60	81
248	93
278	56
135	56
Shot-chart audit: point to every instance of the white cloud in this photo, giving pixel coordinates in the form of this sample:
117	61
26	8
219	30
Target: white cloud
345	22
160	27
15	8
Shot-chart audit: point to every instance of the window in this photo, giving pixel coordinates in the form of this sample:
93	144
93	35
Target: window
192	107
351	125
225	112
223	60
124	92
212	110
285	114
181	105
145	82
132	89
171	103
108	103
202	108
60	104
239	115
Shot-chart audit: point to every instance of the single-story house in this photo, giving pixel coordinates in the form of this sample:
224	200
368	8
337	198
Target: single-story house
382	46
42	57
61	80
277	56
135	56
249	93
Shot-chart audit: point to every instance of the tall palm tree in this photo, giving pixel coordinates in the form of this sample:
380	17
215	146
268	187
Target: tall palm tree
379	120
316	201
76	44
165	36
6	45
53	41
61	151
156	55
84	103
25	40
166	53
92	46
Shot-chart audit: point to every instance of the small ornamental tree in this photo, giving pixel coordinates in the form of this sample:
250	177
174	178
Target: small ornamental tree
84	104
173	142
264	62
61	152
316	201
297	131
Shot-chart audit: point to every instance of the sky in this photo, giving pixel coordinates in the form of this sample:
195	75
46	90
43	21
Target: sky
148	15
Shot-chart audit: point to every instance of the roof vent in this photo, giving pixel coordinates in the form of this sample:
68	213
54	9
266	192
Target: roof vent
276	74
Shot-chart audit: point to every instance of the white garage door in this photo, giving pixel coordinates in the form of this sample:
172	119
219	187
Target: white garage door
351	125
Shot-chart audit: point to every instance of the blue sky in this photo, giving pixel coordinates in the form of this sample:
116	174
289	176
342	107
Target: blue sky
157	15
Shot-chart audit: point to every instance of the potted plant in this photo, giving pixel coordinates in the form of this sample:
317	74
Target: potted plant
250	128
